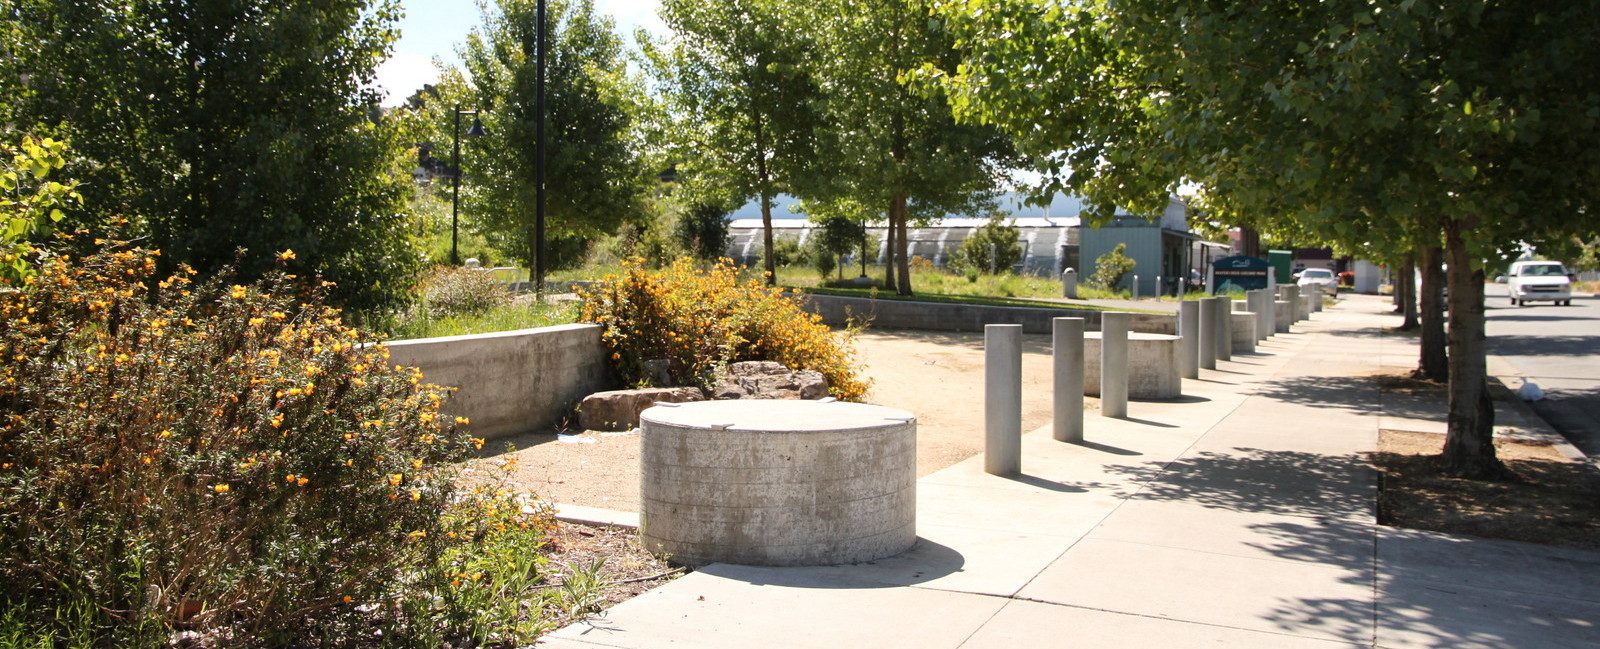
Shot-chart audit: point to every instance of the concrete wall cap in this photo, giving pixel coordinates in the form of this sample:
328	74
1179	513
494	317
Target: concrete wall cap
778	415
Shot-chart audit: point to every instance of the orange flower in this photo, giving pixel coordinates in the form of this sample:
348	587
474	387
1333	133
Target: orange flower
395	478
286	255
221	488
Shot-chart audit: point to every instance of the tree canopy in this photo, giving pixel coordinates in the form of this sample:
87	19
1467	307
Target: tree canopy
1357	122
595	180
221	127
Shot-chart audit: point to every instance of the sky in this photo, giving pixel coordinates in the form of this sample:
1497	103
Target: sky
433	28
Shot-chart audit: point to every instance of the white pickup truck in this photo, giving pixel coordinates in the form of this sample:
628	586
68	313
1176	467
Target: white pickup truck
1531	281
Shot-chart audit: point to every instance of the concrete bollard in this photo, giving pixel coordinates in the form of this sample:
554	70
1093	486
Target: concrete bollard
1189	345
1208	333
1296	306
1066	339
1283	316
1265	314
1114	363
1002	399
1224	327
1069	283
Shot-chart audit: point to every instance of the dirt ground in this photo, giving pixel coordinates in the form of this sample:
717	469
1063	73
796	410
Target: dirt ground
937	376
1550	499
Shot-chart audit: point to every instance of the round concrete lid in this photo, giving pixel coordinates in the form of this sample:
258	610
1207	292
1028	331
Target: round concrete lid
776	415
1134	335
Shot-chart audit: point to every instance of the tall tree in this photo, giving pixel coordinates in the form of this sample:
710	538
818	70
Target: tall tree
595	179
736	79
897	146
1479	119
220	126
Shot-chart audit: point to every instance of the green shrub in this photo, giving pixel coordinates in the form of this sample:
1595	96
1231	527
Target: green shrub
452	291
1110	268
223	458
697	319
994	241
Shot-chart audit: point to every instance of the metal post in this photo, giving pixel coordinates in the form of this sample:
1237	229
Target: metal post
539	158
1114	363
1189	339
1067	342
455	185
1135	285
1002	399
1208	333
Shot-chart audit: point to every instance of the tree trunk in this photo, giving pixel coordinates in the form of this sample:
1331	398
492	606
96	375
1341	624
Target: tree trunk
1469	442
903	260
889	248
766	239
1406	286
1433	365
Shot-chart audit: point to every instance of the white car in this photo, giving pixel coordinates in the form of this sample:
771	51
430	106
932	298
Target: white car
1545	281
1321	278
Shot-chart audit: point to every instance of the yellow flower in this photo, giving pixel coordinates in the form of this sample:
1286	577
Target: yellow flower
416	495
286	255
257	321
221	488
238	292
416	464
302	481
395	478
417	534
477	443
278	315
277	420
463	420
289	478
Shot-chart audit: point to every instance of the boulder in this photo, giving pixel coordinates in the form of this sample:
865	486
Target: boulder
619	409
768	380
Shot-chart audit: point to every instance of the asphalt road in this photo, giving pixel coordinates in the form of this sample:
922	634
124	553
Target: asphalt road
1557	347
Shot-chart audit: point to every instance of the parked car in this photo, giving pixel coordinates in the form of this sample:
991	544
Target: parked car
1544	281
1320	278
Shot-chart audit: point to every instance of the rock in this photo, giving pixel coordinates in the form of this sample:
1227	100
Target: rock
768	380
619	409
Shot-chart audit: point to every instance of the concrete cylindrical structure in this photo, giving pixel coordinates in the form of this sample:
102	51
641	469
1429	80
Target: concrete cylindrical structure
1114	364
1242	330
1224	327
1189	345
1208	333
1067	342
1284	316
1002	399
1264	313
777	483
1069	283
1152	366
1297	307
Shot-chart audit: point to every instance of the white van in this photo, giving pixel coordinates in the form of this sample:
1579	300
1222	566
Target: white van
1531	281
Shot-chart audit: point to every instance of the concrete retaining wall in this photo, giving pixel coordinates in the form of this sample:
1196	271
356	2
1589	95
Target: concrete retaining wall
511	382
938	316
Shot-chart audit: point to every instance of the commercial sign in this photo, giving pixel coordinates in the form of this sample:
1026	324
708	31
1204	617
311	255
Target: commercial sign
1239	273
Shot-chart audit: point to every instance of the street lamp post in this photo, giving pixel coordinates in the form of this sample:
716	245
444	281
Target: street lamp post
455	175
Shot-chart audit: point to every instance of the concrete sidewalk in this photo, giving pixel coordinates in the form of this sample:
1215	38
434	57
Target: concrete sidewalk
1238	516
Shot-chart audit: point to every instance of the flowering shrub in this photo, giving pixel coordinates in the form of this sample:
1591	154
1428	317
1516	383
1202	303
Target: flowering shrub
181	454
698	319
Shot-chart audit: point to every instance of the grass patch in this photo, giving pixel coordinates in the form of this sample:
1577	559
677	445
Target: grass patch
1550	500
522	314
